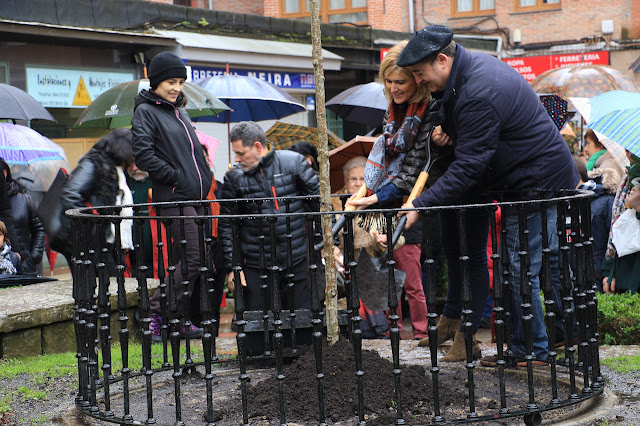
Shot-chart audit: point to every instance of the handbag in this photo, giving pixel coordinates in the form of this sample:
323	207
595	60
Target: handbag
372	275
625	233
50	212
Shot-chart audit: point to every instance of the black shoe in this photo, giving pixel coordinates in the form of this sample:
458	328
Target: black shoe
193	333
485	322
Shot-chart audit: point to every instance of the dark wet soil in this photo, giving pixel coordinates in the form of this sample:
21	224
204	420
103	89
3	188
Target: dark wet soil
300	390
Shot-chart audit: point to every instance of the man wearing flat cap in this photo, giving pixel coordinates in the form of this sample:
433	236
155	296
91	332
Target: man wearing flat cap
504	140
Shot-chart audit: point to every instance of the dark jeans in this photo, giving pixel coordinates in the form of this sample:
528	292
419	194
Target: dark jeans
477	231
254	299
534	225
192	258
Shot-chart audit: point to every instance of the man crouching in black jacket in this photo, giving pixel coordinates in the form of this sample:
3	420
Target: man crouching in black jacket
263	172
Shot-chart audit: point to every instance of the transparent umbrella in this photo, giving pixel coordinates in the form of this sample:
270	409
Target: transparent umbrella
33	158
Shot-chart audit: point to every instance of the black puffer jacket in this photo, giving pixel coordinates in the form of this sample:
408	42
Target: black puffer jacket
165	144
280	173
28	231
416	157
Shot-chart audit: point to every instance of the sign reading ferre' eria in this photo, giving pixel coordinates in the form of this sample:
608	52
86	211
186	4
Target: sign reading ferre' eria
532	66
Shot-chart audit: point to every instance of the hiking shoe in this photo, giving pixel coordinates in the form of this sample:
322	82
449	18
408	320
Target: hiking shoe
491	361
559	343
155	326
193	333
535	363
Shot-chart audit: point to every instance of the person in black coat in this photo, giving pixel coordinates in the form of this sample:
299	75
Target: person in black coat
97	181
166	146
28	233
503	139
264	172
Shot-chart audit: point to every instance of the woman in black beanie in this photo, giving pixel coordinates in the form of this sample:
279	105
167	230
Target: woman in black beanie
166	146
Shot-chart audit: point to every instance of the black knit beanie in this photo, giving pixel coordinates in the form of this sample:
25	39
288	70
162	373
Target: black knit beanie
165	65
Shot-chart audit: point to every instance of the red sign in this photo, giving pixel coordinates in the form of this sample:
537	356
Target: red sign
532	66
383	53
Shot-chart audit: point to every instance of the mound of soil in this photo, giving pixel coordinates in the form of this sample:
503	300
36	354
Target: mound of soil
340	384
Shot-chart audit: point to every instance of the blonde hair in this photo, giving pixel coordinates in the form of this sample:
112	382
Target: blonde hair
4	231
390	64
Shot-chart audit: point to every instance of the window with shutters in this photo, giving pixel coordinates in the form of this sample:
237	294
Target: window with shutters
4	73
331	11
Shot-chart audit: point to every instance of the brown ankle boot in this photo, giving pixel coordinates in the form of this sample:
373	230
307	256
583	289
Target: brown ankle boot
447	328
458	351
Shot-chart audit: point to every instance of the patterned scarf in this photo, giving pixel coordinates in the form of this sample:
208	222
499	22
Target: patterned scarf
619	203
395	142
6	266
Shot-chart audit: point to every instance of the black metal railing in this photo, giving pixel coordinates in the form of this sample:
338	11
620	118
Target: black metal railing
280	324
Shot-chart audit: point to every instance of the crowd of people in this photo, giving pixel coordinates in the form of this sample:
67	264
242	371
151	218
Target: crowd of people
456	114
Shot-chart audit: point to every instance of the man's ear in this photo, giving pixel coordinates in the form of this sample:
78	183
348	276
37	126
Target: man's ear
259	147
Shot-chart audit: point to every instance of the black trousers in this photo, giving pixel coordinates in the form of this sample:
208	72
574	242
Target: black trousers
255	300
192	258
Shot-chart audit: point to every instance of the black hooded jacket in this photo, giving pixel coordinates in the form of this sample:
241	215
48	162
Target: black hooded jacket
281	174
28	233
165	144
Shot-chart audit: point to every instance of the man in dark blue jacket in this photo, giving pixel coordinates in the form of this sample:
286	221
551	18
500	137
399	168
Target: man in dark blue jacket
504	140
263	172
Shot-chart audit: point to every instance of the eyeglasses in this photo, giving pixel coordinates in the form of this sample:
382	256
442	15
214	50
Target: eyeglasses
356	179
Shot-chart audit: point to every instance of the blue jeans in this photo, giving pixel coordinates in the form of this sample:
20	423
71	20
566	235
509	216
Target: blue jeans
510	223
477	231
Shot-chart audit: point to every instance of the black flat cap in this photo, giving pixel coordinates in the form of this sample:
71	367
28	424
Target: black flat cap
425	43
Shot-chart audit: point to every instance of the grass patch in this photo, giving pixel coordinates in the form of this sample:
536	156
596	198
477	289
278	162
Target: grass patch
53	365
28	393
45	367
4	404
622	364
619	318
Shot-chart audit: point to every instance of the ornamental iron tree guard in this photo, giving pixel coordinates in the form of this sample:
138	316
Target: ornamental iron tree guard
179	381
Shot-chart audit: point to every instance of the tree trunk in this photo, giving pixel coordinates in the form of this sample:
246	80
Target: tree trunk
331	293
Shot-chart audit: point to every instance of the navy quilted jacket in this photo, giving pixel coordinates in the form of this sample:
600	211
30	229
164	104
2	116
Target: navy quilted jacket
503	137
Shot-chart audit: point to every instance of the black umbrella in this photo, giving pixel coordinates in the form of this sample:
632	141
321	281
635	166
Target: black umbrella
19	105
364	103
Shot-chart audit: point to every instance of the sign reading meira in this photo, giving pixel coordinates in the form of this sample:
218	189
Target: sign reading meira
69	88
532	66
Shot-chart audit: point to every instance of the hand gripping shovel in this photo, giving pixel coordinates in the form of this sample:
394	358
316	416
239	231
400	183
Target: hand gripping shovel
340	222
416	191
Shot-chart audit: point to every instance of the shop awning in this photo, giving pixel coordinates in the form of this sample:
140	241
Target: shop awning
209	48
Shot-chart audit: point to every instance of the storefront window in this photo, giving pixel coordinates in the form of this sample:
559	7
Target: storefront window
337	4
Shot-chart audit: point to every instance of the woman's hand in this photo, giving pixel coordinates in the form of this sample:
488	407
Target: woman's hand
231	284
362	202
633	199
439	137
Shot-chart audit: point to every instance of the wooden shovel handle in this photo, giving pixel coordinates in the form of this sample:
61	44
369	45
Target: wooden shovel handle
419	186
360	194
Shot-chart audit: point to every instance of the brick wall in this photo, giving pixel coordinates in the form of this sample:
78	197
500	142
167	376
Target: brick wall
575	20
251	7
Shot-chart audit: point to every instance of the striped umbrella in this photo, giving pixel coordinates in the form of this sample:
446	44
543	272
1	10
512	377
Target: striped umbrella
583	106
283	135
616	115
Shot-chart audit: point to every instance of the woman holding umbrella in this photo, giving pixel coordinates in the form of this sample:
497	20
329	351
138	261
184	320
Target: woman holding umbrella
166	146
393	166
